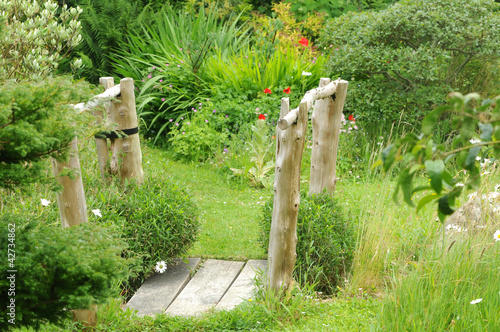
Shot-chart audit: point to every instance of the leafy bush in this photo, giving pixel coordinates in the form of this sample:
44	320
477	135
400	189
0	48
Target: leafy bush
37	119
158	220
326	241
169	58
403	60
35	37
197	139
105	25
57	269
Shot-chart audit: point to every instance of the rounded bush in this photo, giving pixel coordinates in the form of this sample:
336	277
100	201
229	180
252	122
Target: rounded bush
326	241
158	220
56	269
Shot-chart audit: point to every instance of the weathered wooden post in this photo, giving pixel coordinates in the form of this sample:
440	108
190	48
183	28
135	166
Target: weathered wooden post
127	148
326	117
290	138
283	237
71	201
101	143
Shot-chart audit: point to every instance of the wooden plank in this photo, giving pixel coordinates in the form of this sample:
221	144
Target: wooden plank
206	288
159	290
243	287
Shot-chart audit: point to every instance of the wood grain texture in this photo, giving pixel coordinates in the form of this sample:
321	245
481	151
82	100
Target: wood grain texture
206	288
243	287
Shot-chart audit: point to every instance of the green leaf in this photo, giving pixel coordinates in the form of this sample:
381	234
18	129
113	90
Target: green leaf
388	157
444	206
486	131
471	157
435	169
426	200
431	119
406	183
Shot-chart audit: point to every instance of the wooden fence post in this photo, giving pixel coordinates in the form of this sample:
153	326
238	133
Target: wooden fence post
127	149
283	236
71	201
102	143
326	117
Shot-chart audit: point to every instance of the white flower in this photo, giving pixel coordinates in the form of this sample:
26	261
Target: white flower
474	141
460	184
493	195
97	212
472	195
476	301
497	236
161	267
45	202
305	73
478	158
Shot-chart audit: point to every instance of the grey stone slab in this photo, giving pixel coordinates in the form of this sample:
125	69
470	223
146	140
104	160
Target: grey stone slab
159	290
242	288
206	288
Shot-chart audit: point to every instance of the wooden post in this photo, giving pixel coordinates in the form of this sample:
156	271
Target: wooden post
283	236
326	117
127	149
102	143
71	201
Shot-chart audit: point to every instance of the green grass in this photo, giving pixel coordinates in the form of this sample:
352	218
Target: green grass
229	211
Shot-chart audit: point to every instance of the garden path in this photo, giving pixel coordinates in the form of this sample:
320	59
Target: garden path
194	288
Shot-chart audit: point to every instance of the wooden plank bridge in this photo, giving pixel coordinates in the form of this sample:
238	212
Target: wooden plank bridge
216	284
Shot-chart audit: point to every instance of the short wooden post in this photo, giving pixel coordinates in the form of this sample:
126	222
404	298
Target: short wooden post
71	201
102	143
283	236
326	118
126	149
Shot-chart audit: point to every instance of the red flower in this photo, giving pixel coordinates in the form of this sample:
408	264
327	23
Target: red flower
287	90
266	90
262	117
304	41
351	118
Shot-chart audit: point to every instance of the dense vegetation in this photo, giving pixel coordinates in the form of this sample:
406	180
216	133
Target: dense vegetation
209	77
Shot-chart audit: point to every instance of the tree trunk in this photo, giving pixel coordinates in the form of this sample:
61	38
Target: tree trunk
127	149
283	236
326	118
71	201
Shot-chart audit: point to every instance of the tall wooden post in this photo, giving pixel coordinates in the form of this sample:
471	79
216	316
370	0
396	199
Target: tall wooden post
71	201
326	117
283	237
102	143
126	149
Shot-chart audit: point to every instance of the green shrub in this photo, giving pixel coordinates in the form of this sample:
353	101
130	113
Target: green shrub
167	61
37	119
326	241
57	269
196	139
402	61
157	219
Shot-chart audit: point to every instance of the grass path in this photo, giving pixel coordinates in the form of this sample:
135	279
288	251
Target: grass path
228	212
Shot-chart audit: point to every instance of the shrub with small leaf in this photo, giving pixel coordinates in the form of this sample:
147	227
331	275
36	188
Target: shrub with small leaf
158	220
326	241
57	268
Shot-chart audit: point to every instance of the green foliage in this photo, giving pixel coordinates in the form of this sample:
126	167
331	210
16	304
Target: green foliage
471	117
402	61
168	60
105	25
250	72
256	161
36	37
200	137
437	294
326	241
37	119
157	219
57	269
335	8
